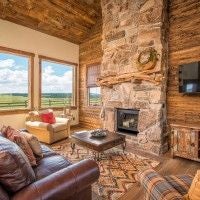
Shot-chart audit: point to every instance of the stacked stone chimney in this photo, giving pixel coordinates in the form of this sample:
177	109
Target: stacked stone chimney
129	27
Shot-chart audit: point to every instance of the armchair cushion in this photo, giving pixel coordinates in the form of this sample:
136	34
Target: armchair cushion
157	187
58	127
62	120
180	182
39	125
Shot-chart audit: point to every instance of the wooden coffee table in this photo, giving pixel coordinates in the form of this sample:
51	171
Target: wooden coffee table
97	145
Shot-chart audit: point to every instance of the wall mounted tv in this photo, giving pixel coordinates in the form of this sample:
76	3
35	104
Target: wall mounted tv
189	78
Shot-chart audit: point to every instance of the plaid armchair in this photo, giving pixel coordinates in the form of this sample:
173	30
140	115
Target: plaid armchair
164	188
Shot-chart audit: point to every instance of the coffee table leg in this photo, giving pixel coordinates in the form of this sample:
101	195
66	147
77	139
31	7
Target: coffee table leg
124	146
72	147
98	156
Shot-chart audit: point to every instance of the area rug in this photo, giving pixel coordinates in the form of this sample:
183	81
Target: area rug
117	174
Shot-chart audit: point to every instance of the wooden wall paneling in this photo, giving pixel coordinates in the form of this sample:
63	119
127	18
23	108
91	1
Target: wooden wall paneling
184	47
71	20
90	53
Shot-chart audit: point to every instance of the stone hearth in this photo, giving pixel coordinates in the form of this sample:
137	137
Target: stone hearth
128	28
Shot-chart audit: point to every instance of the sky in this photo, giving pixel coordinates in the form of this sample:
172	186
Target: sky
13	74
56	78
95	90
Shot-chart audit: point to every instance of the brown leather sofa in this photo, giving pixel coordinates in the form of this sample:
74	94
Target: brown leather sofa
57	179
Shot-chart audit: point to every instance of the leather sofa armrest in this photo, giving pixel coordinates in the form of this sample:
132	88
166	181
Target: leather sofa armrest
62	184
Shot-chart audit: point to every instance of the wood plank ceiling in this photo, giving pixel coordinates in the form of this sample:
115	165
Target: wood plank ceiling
70	20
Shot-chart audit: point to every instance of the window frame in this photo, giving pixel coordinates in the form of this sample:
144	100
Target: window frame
30	57
88	91
58	61
88	87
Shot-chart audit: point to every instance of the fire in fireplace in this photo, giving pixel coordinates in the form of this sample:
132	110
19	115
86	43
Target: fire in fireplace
126	120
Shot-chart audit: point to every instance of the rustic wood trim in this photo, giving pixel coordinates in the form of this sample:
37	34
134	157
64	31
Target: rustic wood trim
110	80
75	66
16	51
30	56
75	86
56	60
88	98
40	82
182	125
14	112
31	78
58	108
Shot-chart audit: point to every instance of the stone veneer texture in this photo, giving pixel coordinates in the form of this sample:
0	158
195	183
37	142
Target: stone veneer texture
130	26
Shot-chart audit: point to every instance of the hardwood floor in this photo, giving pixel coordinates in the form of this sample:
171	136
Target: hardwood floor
168	166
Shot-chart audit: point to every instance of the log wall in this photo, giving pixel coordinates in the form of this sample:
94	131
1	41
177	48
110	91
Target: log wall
90	52
184	47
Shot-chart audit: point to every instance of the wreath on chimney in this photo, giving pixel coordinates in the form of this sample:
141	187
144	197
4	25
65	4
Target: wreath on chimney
147	59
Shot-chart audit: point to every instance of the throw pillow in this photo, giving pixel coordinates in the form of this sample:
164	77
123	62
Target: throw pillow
48	118
33	116
3	129
18	138
194	191
15	169
33	143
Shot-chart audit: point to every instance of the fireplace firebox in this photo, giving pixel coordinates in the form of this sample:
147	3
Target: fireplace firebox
126	120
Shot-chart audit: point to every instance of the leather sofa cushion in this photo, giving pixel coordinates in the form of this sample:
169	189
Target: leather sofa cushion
46	151
58	127
3	194
15	169
49	165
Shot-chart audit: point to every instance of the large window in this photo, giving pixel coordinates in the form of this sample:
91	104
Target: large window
94	91
57	83
15	76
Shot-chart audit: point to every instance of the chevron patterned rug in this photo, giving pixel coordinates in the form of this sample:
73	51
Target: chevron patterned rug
117	169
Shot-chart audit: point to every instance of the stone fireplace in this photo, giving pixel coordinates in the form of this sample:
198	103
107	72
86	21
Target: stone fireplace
126	121
129	27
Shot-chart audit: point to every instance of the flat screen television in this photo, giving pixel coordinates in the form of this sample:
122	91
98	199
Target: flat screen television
189	78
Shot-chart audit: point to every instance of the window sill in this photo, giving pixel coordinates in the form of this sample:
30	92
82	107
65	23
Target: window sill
97	107
13	112
58	108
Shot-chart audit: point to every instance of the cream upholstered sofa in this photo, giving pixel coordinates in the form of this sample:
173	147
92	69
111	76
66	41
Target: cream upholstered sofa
45	132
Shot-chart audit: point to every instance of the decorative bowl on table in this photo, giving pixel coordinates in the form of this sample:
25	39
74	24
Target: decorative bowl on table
98	133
